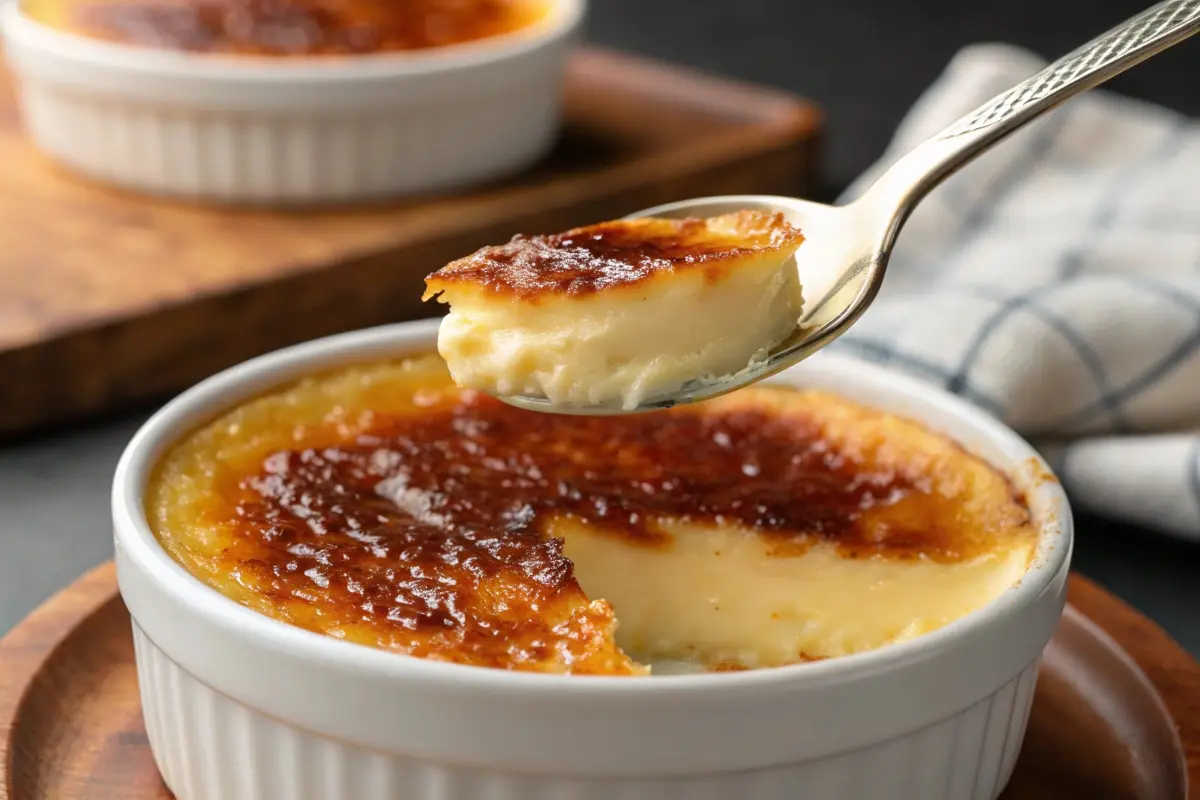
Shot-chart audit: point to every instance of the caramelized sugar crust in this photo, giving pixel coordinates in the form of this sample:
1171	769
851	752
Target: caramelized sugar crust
298	27
618	253
387	507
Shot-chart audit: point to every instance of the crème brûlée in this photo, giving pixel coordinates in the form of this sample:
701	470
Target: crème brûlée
289	27
620	312
382	505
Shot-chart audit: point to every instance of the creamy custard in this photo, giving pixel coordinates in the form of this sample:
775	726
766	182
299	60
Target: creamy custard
620	312
385	506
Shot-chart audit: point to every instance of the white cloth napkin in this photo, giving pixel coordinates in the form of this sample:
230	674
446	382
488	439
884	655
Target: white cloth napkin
1055	282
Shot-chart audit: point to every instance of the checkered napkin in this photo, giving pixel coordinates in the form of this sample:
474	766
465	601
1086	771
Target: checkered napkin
1055	283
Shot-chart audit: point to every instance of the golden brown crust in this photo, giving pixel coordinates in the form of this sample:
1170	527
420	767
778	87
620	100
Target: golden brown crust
299	27
425	527
612	254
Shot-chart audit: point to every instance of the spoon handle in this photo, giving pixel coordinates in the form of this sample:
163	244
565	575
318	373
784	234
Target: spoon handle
908	180
1106	56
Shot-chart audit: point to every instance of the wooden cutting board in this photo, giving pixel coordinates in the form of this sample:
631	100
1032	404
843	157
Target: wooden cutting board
108	298
1116	714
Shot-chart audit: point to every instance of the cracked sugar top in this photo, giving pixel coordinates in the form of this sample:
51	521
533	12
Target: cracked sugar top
290	27
384	506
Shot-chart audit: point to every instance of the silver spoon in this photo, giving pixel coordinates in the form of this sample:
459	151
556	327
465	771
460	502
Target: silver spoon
846	248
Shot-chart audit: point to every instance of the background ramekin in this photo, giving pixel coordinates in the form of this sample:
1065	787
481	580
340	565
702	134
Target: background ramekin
242	707
291	130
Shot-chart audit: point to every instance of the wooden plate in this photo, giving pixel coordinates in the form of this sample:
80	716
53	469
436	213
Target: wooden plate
111	298
71	727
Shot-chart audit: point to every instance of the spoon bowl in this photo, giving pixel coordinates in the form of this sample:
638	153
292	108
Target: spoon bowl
846	248
835	294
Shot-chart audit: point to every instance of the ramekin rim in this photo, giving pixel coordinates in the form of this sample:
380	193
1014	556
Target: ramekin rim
565	17
221	391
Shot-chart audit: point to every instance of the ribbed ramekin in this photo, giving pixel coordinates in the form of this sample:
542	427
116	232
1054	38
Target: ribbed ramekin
291	130
239	706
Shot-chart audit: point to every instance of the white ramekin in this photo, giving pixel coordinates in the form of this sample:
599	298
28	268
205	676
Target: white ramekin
241	707
291	130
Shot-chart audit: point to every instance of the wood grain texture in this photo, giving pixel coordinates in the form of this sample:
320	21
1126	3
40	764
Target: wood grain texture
108	298
71	728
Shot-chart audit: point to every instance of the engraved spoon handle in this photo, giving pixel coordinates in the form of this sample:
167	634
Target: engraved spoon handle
908	180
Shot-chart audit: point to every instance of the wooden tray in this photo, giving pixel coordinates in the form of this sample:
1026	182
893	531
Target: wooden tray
109	298
71	727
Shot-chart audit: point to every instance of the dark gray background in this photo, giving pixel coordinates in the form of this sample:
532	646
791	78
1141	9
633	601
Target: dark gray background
864	62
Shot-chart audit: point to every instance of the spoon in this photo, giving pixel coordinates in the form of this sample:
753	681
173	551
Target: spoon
846	248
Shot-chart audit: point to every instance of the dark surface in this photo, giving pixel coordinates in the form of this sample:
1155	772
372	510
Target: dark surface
865	63
110	298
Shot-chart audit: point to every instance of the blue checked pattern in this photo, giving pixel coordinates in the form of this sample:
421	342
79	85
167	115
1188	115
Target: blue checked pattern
1055	283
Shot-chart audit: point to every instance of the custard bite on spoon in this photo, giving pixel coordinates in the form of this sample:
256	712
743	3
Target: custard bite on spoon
620	312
